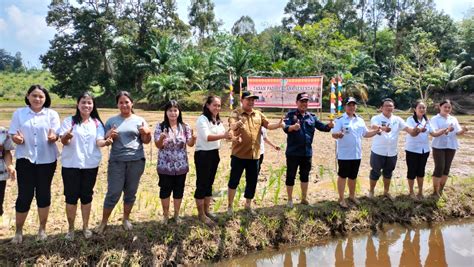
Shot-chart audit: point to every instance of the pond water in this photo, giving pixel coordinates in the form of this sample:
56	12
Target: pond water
448	244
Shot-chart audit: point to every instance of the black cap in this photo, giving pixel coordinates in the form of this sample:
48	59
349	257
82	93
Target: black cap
350	100
248	94
302	96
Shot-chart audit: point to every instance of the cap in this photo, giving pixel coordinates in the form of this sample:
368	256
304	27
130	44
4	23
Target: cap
248	94
302	96
350	100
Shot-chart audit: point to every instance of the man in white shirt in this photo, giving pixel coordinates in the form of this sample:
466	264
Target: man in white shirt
383	157
348	131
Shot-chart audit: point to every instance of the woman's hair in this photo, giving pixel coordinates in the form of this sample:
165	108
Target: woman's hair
47	102
445	101
77	119
166	123
206	112
124	93
418	102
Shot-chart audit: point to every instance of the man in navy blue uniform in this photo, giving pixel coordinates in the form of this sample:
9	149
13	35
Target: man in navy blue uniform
299	127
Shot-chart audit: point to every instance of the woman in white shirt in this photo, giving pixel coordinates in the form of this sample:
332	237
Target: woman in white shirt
81	135
210	130
33	129
417	147
444	146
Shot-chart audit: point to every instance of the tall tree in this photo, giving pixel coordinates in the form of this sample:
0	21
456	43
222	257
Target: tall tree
245	28
202	17
422	72
17	64
6	60
301	12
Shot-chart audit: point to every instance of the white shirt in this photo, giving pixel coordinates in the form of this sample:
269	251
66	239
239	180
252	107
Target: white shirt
35	128
449	141
421	143
349	147
7	144
386	144
82	152
204	129
262	140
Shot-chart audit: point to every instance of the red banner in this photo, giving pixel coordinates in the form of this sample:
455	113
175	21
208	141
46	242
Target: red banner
281	92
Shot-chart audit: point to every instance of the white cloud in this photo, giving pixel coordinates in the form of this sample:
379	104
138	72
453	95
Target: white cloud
3	25
263	12
457	9
28	28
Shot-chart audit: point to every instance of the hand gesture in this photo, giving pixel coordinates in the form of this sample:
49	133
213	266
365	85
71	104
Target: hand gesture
282	124
387	128
193	135
377	128
465	129
451	128
228	135
237	138
109	141
143	130
340	134
331	124
296	126
52	136
18	138
417	130
239	124
424	128
113	133
69	134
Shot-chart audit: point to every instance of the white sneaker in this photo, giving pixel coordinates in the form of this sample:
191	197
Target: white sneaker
18	238
127	225
70	236
42	236
371	194
87	233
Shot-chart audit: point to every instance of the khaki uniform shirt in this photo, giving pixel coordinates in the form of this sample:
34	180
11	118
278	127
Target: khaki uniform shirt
249	147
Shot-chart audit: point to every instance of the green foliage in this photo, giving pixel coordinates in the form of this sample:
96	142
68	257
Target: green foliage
10	63
245	28
13	85
202	17
423	72
398	49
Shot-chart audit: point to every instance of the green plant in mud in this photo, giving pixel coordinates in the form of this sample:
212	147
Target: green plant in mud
363	213
238	195
276	194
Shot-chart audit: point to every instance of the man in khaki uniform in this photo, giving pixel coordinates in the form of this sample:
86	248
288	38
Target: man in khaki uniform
246	123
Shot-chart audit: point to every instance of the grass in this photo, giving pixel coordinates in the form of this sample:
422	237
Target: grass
153	243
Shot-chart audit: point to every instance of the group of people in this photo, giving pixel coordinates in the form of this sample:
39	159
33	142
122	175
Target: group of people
36	128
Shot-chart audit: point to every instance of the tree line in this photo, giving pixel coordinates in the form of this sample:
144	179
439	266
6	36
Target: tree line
404	49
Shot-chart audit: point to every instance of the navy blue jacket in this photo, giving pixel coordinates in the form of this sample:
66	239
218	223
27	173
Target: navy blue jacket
299	142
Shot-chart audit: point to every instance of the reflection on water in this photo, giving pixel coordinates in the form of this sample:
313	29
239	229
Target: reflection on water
440	245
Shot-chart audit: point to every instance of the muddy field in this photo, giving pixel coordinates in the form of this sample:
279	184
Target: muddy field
270	198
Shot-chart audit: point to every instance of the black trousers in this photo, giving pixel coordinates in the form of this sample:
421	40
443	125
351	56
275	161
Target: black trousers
33	180
3	185
237	167
206	163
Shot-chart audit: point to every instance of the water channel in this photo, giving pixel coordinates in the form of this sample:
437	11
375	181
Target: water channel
442	244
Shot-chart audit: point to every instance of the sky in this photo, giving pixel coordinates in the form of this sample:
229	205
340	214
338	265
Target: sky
23	27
